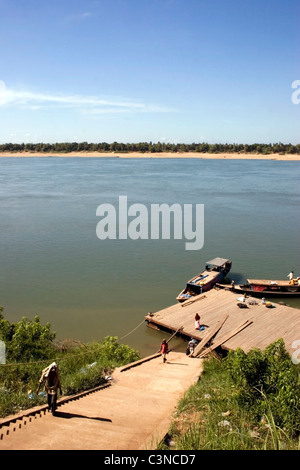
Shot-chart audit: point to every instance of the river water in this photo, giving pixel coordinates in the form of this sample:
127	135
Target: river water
54	265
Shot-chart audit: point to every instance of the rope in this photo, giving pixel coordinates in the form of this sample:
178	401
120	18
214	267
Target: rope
132	330
60	359
17	364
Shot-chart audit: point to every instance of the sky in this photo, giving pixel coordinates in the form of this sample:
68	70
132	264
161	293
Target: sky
217	71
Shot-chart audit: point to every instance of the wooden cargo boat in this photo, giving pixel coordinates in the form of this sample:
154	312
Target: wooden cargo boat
262	287
215	271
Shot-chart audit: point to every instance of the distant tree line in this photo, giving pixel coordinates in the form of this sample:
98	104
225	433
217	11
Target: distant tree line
143	147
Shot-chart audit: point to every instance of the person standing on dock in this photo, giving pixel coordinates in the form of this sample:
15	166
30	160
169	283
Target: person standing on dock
291	277
197	322
164	349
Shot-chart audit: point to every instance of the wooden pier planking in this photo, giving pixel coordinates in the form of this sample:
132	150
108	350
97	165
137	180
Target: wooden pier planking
223	340
268	324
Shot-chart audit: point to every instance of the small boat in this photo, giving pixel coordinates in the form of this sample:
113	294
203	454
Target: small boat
262	287
215	270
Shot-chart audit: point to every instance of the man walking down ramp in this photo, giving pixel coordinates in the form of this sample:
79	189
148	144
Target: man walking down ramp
134	413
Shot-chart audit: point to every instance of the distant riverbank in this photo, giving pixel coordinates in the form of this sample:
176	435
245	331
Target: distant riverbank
208	156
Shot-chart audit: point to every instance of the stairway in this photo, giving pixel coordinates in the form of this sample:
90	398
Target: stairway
133	413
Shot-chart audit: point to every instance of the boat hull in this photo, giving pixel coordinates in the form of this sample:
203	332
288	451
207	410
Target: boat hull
293	291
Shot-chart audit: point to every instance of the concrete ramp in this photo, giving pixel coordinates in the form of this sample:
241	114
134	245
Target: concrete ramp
133	413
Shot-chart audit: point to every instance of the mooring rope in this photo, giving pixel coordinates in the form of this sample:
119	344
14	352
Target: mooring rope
60	359
132	330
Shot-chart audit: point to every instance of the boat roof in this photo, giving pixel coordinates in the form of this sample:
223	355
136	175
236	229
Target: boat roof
218	261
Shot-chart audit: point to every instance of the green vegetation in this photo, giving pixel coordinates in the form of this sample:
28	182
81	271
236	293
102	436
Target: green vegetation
142	147
30	347
244	402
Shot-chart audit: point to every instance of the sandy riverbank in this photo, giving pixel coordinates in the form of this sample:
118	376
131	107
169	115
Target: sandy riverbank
208	156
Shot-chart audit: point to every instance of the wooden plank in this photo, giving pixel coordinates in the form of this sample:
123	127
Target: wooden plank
209	335
222	341
175	333
192	300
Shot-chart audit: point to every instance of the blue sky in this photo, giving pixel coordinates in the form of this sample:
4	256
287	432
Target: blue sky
149	70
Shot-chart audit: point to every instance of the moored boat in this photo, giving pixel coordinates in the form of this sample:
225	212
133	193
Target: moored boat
262	287
215	271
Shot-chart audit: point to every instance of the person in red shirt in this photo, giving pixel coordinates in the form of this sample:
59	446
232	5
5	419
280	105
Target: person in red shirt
164	349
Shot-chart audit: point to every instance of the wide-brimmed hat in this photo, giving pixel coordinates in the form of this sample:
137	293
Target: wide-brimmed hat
47	370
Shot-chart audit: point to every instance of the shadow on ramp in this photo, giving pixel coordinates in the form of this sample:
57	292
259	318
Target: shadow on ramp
61	414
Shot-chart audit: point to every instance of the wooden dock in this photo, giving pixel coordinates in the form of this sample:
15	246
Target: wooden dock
264	325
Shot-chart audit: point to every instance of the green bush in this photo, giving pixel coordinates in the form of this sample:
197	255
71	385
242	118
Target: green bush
242	402
117	354
267	382
84	379
30	348
27	340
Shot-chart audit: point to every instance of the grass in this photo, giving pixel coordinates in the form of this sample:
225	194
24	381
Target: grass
243	402
81	368
210	417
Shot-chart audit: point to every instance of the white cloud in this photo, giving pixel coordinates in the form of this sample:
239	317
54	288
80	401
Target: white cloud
85	103
79	16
